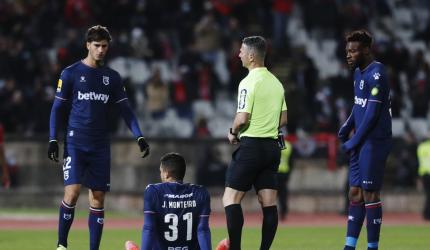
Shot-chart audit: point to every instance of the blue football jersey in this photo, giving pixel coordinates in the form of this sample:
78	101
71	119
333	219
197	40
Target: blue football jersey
371	85
178	208
90	92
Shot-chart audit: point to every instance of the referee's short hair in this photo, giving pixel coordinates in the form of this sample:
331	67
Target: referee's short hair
97	33
174	164
362	36
256	43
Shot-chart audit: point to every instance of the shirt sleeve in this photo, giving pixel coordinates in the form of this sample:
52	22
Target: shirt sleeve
206	204
62	97
245	98
378	86
149	200
284	105
119	92
148	232
64	86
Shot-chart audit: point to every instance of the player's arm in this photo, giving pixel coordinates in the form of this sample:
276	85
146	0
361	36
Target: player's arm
283	119
132	123
130	119
346	128
58	112
370	117
204	233
245	102
148	231
240	121
149	218
203	230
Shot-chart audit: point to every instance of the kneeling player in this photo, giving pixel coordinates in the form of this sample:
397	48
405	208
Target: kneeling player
176	214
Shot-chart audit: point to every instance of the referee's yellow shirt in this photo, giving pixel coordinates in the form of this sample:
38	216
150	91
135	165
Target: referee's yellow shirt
262	95
423	153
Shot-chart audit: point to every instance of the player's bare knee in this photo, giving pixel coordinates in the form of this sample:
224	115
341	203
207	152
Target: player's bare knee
355	194
371	196
232	196
71	194
267	197
96	198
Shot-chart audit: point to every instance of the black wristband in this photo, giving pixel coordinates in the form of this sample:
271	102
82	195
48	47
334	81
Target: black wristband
231	132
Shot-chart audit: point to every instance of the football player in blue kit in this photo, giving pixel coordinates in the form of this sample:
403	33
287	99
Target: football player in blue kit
85	93
370	144
176	214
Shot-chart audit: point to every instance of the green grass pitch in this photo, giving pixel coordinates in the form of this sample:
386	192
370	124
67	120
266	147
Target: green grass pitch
294	238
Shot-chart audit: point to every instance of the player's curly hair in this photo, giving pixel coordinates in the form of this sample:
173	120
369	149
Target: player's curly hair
257	43
97	33
174	164
362	36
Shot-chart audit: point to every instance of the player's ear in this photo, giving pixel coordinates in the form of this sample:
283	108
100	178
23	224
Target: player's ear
251	56
88	45
366	51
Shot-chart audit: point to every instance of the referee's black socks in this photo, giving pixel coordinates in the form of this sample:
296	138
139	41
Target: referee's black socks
270	224
234	216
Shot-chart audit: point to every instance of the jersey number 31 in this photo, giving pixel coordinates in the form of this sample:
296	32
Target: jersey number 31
172	220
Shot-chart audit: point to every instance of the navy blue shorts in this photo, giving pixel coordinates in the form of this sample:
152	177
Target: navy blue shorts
254	163
367	164
90	168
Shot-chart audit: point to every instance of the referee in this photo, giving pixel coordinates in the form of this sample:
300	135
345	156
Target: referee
260	113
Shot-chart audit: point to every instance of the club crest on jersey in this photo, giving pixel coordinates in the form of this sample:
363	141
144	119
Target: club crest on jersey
361	86
83	79
376	75
106	80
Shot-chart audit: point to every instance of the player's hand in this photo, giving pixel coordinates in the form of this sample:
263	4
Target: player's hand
143	145
347	146
53	150
343	134
232	137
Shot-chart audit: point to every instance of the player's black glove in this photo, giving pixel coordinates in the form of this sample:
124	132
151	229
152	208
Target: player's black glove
143	145
53	150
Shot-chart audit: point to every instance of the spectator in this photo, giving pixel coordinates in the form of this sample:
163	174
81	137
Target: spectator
157	93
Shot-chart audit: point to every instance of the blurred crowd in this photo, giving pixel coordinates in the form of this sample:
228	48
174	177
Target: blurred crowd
179	58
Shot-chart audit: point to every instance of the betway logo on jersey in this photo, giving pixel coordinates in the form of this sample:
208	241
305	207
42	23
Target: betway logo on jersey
360	101
92	96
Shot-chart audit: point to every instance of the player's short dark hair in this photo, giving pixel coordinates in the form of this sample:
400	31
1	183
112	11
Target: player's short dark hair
257	43
174	164
97	33
362	36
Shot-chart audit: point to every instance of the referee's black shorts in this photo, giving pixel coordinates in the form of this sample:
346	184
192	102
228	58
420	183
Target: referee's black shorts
254	163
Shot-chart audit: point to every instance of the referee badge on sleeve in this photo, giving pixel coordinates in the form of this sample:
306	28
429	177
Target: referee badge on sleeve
242	98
